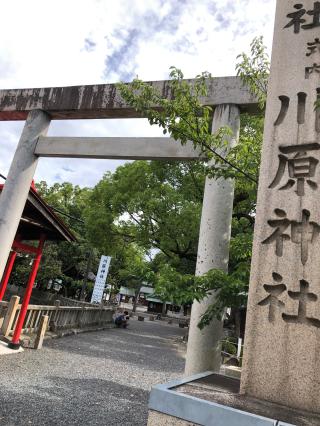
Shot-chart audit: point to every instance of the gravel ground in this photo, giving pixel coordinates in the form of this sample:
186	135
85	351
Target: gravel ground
97	378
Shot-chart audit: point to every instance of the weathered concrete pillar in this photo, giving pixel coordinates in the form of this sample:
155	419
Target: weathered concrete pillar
41	332
203	352
10	315
17	185
282	339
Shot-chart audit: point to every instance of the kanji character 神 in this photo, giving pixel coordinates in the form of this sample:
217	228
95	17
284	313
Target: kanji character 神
300	167
278	236
302	233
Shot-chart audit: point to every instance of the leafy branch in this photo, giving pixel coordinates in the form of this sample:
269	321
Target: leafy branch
184	117
254	70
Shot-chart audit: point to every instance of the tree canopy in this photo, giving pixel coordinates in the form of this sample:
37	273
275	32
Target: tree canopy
184	118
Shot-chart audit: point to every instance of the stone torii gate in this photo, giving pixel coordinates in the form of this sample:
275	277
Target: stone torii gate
39	106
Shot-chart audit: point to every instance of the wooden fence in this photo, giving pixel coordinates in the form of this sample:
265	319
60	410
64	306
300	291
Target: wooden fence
60	317
3	311
66	301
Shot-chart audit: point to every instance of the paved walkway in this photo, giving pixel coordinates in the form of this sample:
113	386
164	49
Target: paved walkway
98	378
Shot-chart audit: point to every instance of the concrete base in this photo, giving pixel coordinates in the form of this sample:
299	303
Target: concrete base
231	371
5	350
212	399
158	419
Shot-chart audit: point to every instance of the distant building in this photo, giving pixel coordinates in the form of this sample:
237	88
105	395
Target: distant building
127	294
147	298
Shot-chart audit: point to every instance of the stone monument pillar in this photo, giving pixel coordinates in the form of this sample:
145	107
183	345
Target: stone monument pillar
204	351
282	342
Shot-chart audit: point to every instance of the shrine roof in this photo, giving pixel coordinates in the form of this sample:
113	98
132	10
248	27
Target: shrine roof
38	218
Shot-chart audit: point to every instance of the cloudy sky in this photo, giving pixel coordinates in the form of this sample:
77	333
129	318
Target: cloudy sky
73	42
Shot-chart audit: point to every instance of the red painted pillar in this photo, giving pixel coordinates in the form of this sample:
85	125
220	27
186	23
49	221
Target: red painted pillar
7	273
15	343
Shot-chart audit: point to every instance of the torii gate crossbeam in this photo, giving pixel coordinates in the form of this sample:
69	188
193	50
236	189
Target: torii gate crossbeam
104	100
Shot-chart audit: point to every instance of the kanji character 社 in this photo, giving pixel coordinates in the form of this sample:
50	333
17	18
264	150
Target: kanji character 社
316	17
304	297
272	300
296	18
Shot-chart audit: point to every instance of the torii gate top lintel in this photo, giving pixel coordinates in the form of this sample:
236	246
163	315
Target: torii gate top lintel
104	100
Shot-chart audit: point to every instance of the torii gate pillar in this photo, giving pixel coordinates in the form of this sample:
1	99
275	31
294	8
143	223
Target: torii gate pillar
19	179
203	352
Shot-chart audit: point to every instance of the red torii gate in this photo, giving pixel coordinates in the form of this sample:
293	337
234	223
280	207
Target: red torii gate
38	222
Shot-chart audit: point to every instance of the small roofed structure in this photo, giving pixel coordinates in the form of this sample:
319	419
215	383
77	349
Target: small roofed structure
38	223
39	218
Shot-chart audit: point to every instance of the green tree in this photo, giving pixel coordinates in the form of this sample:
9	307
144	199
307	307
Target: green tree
136	271
153	204
154	207
50	267
254	69
69	202
184	118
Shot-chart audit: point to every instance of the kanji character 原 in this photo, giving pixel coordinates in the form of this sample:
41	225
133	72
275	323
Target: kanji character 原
300	167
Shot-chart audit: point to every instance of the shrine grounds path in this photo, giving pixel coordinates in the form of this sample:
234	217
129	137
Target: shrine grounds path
97	378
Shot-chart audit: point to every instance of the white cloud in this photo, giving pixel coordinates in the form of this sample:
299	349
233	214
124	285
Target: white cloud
95	41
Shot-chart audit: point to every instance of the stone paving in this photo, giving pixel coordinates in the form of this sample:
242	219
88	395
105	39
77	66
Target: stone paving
97	378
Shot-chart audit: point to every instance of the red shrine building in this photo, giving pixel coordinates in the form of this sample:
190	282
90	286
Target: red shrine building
38	223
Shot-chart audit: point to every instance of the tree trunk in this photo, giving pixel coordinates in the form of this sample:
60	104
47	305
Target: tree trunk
136	297
164	308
